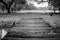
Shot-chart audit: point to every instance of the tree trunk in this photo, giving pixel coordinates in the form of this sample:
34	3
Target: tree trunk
8	10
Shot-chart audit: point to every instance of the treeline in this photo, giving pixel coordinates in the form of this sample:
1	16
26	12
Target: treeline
9	6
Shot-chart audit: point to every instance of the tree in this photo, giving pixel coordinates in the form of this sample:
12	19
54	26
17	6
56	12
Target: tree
55	3
19	4
7	4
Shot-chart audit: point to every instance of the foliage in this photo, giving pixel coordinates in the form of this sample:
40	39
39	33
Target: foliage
55	3
7	4
10	5
19	5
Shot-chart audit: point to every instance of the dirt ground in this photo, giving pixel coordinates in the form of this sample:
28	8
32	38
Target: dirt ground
16	17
